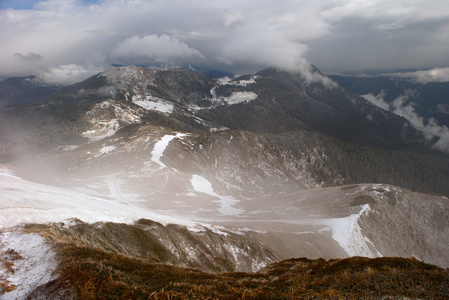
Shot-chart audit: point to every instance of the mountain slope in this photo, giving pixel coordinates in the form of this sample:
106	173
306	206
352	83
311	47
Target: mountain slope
275	106
23	90
150	174
286	102
134	169
430	98
91	270
424	104
186	100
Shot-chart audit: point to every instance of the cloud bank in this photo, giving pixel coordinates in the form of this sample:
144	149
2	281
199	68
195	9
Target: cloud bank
59	37
153	47
66	74
430	128
378	100
425	76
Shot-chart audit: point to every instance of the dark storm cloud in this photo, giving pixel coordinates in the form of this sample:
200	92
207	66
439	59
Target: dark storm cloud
237	36
30	57
358	43
157	47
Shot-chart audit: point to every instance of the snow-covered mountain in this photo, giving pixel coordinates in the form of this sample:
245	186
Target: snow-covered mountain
219	175
190	101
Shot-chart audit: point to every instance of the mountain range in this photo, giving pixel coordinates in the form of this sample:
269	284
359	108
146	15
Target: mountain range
178	167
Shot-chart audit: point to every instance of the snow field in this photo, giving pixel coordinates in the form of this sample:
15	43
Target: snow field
160	147
106	129
153	103
24	202
236	97
33	262
202	185
348	234
240	97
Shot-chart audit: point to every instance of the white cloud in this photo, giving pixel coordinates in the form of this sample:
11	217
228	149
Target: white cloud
261	46
30	57
378	100
161	48
425	76
66	74
388	10
383	34
233	35
430	128
232	18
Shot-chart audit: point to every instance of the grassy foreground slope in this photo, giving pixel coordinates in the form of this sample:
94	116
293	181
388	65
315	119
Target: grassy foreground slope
94	274
90	271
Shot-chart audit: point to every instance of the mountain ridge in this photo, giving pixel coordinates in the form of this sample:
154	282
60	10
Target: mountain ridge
264	167
187	88
119	275
131	97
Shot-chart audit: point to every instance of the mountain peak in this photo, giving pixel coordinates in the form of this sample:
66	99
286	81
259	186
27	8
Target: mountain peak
123	74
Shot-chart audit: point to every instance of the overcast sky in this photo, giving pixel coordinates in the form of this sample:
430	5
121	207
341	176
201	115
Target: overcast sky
69	40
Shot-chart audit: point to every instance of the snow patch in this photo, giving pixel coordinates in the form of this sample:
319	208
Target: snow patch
236	97
236	252
348	234
224	80
153	103
106	118
202	185
243	82
106	150
117	193
240	97
120	76
23	202
105	129
32	263
160	147
8	173
69	148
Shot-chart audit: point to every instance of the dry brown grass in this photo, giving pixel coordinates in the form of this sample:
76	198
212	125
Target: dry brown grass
100	275
95	273
7	260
